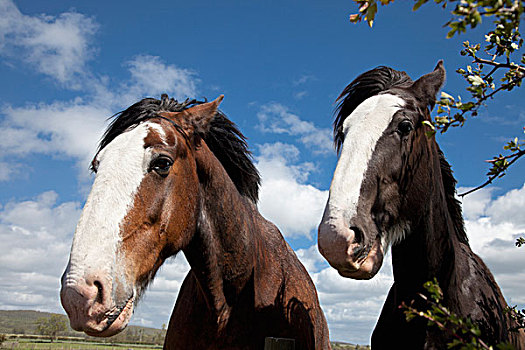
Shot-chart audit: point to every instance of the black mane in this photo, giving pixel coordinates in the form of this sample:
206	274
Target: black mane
454	206
364	86
223	138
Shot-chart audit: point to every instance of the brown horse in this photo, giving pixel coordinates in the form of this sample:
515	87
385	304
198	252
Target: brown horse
178	176
393	186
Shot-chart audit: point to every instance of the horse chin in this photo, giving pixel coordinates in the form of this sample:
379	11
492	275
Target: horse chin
367	267
114	323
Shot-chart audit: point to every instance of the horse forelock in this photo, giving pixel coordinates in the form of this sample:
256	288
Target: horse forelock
223	138
145	109
368	84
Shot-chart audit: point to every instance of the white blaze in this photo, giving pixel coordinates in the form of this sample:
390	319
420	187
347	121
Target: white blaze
362	130
122	166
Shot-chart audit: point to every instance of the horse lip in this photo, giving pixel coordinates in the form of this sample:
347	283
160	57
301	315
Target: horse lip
363	254
354	269
110	317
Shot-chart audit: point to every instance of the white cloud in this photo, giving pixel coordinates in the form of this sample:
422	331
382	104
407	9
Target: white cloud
509	207
35	237
275	118
304	79
69	130
285	199
299	95
55	46
475	204
311	259
151	76
8	170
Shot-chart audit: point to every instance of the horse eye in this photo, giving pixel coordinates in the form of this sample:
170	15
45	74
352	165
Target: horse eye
405	127
161	166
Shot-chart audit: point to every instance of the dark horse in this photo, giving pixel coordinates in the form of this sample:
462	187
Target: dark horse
178	176
393	186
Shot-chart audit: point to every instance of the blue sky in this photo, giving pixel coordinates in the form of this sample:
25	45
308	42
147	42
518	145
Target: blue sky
66	66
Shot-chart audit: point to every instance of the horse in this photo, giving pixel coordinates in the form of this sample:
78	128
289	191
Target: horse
178	176
393	187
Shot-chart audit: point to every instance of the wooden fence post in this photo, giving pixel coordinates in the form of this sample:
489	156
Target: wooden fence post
271	343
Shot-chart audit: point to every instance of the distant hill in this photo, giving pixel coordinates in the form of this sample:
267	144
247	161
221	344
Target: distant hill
20	321
26	322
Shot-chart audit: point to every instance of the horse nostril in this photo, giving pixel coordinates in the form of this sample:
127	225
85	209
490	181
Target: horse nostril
358	234
360	249
99	291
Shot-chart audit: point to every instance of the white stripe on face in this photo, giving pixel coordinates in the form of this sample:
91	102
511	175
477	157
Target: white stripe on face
362	130
123	164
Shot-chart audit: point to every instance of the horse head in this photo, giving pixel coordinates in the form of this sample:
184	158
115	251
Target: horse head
381	137
142	208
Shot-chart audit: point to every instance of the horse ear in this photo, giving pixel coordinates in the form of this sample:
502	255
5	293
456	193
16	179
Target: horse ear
426	87
201	115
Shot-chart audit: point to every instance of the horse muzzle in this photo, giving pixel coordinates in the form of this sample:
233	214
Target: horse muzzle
91	308
345	251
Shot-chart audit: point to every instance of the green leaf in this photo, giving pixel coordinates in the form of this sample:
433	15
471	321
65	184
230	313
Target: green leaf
418	4
371	13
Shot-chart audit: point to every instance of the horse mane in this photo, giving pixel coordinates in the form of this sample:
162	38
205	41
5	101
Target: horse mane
229	146
453	204
224	139
366	85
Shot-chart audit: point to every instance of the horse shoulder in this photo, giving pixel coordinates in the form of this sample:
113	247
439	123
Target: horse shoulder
282	283
190	325
277	271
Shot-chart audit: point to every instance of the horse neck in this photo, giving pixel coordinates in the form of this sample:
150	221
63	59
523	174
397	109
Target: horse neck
221	252
428	250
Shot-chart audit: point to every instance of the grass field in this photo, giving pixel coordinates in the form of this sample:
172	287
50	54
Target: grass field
32	344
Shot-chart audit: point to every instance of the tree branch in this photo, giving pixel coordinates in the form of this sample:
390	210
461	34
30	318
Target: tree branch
516	156
499	65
